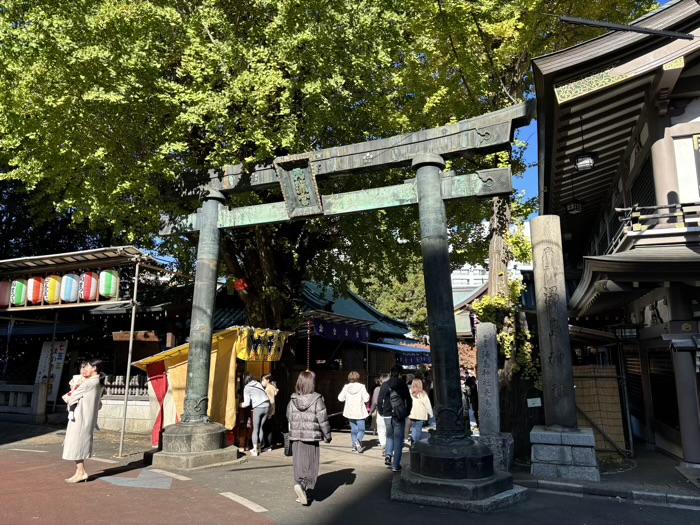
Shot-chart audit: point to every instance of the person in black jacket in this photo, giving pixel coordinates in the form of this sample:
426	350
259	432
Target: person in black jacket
395	426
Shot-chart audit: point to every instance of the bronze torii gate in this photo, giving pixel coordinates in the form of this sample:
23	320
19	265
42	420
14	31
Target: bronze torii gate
448	454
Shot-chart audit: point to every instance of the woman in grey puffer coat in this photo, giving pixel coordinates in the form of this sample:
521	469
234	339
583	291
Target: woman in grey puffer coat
308	424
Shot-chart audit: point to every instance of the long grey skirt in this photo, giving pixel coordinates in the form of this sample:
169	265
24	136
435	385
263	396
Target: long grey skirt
307	456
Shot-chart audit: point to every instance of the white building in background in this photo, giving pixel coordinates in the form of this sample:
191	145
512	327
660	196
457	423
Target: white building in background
469	279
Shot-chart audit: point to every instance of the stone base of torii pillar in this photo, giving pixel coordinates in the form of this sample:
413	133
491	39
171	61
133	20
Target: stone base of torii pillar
426	481
196	445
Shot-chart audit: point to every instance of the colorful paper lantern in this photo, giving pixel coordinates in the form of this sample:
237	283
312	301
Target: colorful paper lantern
18	292
69	288
5	293
87	288
52	289
109	283
35	289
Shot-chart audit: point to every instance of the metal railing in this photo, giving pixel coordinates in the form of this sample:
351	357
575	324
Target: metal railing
616	240
641	218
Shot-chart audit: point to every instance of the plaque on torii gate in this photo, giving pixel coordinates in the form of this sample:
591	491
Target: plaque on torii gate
450	453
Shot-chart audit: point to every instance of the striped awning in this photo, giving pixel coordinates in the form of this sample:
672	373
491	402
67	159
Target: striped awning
113	256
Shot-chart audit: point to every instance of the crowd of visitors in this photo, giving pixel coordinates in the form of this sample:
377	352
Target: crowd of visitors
400	406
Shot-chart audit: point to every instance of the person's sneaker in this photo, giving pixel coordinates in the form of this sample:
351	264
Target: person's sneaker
359	448
397	469
387	461
301	493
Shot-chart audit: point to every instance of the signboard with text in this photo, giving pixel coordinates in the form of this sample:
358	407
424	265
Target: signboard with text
51	366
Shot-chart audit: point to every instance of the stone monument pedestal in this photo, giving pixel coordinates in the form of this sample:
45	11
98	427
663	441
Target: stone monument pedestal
562	453
196	445
457	474
503	448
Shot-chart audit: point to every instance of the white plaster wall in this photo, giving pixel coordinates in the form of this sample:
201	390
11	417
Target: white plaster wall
668	445
686	169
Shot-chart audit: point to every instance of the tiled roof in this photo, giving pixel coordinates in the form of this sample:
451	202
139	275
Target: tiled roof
316	297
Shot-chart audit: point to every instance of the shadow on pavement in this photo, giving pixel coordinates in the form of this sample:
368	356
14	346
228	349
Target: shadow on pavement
258	467
106	473
328	483
11	432
369	444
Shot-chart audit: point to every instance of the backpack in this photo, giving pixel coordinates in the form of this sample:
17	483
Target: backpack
399	408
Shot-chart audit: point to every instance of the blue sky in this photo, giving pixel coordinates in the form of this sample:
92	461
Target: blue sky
528	182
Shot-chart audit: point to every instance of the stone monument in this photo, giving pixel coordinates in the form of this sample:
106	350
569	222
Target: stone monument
500	443
559	448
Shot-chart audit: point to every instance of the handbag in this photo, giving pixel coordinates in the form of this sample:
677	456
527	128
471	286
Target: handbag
287	444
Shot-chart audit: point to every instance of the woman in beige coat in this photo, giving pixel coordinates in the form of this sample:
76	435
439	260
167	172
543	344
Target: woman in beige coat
78	443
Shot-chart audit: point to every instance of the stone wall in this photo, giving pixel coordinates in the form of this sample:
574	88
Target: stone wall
23	403
138	414
567	454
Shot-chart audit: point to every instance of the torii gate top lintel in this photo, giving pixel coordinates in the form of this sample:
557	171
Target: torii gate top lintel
486	133
297	174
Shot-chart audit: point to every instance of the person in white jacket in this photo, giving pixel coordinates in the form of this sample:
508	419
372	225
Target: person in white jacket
355	397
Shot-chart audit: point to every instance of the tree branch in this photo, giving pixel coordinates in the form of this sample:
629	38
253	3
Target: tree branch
482	35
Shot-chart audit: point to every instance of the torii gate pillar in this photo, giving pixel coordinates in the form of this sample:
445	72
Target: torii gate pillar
196	441
448	469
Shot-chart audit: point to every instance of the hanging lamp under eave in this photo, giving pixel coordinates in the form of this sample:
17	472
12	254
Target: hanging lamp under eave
574	207
584	161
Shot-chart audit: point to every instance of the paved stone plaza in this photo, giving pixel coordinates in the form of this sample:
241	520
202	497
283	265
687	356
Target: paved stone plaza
259	490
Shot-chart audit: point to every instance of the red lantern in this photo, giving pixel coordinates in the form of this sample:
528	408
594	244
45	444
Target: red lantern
240	284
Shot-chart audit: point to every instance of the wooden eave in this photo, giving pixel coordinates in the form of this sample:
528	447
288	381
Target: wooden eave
652	264
558	122
674	16
592	97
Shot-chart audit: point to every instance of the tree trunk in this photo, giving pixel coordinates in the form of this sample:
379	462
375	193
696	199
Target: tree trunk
266	305
513	388
514	412
498	252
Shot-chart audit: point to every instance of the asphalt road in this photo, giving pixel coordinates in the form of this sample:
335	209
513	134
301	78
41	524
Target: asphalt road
348	495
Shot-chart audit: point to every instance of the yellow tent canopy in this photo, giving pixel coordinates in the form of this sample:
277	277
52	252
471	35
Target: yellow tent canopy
249	344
